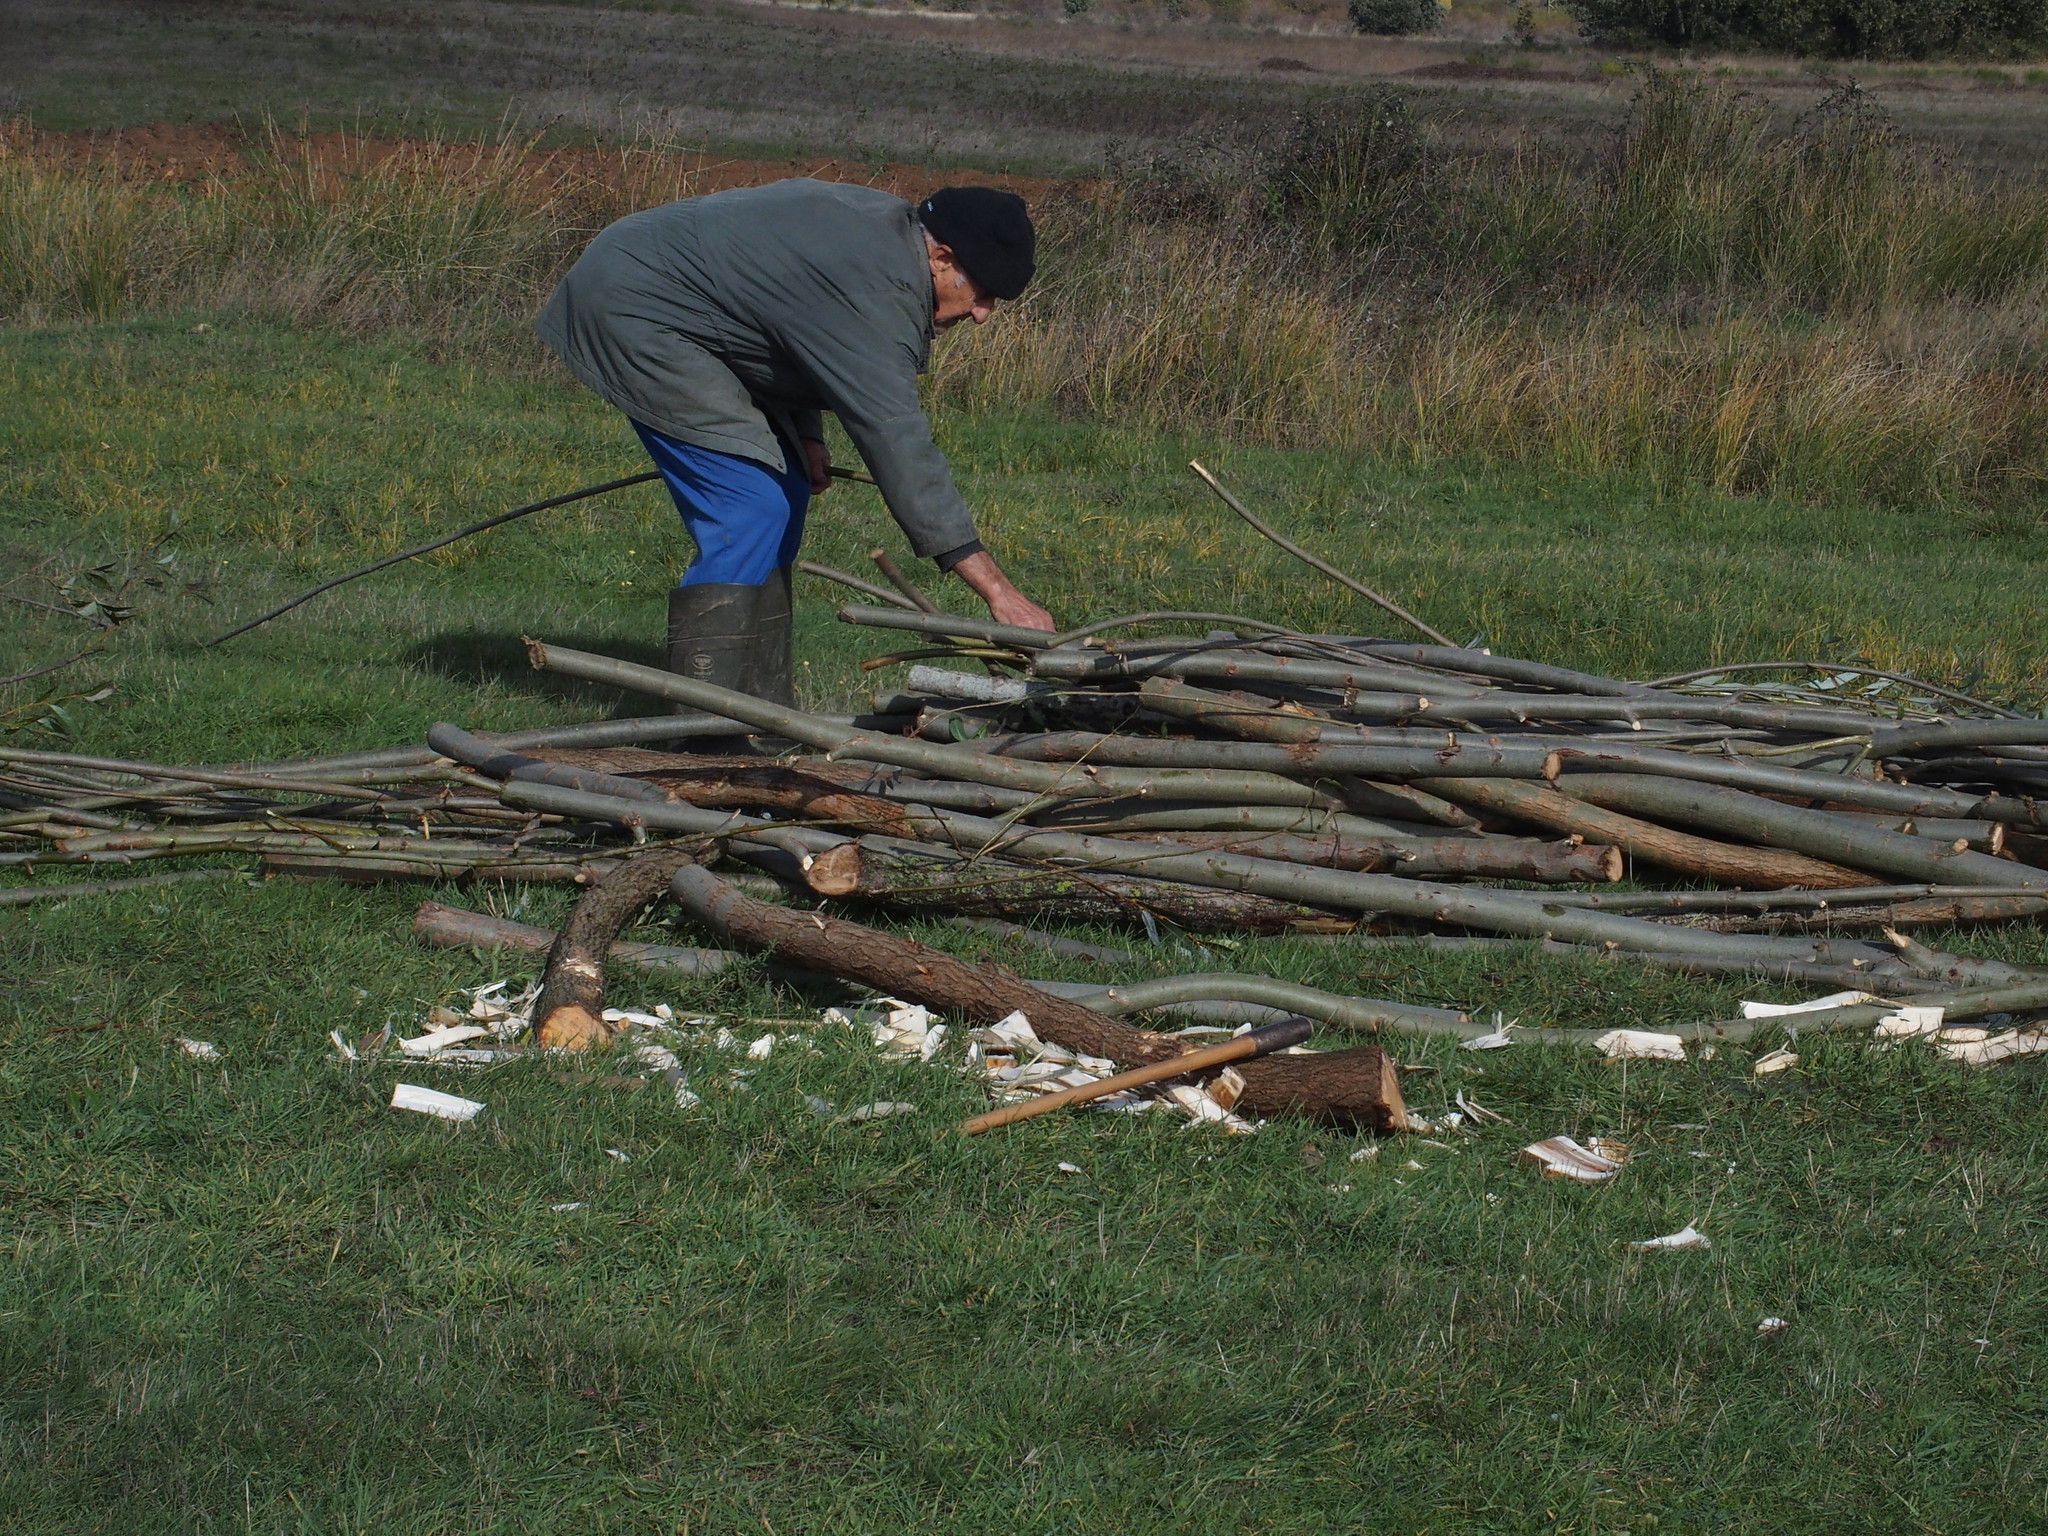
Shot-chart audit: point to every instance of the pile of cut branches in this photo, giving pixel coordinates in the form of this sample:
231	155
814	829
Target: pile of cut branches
1236	777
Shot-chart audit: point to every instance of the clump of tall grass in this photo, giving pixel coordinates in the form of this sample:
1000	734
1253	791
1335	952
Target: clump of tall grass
1825	311
449	237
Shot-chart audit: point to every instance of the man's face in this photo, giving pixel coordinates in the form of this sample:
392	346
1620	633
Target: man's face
954	294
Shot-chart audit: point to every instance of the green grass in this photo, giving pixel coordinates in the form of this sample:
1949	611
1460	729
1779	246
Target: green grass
245	1296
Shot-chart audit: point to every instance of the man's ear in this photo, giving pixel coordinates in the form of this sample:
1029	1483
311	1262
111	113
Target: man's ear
940	252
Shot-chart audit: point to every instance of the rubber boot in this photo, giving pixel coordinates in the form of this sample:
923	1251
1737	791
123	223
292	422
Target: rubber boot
773	657
714	636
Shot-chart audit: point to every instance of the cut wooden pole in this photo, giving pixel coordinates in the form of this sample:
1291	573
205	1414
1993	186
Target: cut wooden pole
457	927
27	895
902	583
1308	760
1493	858
925	877
848	579
1837	839
1542	806
1260	1042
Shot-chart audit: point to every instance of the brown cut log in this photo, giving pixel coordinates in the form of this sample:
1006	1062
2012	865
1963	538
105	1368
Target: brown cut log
569	1013
918	876
1499	858
1754	868
1355	1088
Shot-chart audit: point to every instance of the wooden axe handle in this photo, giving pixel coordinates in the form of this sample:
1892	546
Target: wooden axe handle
1274	1037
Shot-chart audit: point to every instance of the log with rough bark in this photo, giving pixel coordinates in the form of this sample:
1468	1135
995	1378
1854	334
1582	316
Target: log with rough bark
919	876
1542	806
569	1012
1355	1088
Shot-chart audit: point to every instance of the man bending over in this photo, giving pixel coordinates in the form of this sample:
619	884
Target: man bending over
723	326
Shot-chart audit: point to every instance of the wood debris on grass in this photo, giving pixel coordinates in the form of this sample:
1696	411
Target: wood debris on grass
1687	1236
431	1101
1560	1157
1640	1045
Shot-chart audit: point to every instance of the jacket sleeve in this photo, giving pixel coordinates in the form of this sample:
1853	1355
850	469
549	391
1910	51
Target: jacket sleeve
867	373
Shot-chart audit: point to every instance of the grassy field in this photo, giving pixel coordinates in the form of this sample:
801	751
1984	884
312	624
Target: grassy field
1518	384
245	1296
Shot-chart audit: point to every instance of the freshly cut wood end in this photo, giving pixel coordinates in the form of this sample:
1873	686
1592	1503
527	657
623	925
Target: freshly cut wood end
836	871
572	1027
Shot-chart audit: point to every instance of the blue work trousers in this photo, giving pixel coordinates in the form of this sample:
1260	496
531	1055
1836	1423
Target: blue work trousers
746	518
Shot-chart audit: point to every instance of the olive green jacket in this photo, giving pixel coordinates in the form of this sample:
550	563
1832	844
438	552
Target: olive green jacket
718	320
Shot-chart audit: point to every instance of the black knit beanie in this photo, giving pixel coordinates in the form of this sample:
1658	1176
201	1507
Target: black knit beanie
990	233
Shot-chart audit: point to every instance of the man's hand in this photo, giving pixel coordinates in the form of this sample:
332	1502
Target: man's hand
1019	610
817	459
1006	605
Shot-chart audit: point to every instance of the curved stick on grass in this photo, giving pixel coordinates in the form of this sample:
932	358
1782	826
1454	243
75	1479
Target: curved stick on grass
1315	561
430	546
1364	1015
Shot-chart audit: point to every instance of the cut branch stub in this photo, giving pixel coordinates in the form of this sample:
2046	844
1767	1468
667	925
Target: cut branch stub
569	1013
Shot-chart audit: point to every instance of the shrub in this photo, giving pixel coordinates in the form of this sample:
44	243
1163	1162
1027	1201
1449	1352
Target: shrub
1845	29
1395	18
1349	170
